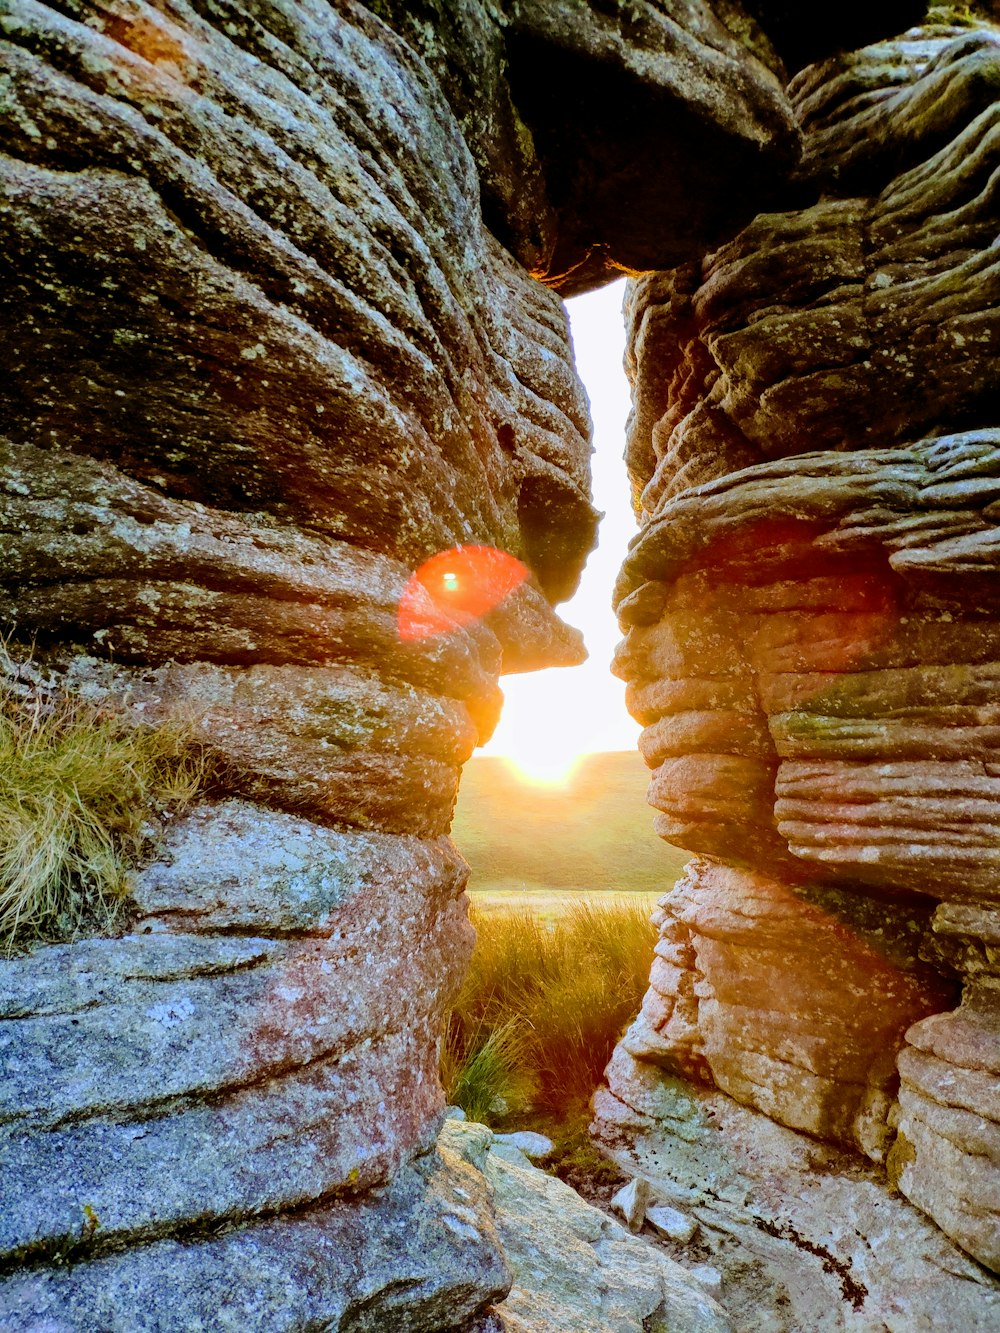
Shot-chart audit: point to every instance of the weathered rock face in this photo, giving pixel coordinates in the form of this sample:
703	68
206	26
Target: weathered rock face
804	1236
274	339
259	373
421	1253
615	136
264	358
769	990
813	632
576	1270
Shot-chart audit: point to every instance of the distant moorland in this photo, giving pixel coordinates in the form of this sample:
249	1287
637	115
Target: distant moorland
595	833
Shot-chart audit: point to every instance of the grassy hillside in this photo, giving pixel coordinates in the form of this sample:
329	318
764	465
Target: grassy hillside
593	834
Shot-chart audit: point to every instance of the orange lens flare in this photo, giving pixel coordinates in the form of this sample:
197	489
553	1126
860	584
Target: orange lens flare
457	587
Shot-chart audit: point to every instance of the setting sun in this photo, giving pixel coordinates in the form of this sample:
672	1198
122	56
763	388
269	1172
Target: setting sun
542	769
552	719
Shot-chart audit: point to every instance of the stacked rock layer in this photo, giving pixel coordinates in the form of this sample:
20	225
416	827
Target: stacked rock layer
812	623
265	360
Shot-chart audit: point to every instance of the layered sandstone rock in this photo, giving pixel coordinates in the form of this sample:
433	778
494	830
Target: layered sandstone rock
264	359
946	1156
775	1001
813	635
610	137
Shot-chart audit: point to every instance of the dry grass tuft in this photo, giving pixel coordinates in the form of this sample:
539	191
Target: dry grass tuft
553	1001
78	784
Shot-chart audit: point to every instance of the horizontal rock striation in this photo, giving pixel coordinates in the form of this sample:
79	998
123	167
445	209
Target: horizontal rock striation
791	999
946	1156
253	1034
619	137
265	360
813	631
275	341
421	1253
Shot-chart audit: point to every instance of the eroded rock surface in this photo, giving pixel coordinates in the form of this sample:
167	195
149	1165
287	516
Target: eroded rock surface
256	379
802	1234
248	1049
812	643
265	358
610	137
419	1254
575	1270
794	999
274	339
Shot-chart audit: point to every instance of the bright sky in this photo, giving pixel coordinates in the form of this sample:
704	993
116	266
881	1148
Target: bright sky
552	718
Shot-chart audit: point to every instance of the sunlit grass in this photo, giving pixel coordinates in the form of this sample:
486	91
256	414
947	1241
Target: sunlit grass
546	904
554	997
77	786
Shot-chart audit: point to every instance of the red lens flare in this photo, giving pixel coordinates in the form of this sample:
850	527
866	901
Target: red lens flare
457	587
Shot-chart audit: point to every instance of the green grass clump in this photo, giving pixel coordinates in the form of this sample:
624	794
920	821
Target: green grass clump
553	1000
958	11
490	1077
77	786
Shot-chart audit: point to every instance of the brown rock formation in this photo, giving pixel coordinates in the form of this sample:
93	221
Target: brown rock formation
615	136
785	980
274	339
813	630
264	359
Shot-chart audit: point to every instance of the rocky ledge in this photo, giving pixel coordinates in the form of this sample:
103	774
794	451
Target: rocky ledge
281	318
812	644
467	1223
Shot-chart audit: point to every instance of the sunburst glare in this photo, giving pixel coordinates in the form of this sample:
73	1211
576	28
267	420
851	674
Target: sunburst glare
552	719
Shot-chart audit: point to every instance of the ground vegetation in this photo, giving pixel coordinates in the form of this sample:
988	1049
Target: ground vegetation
81	791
